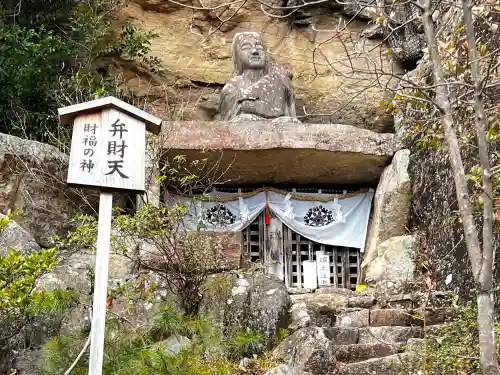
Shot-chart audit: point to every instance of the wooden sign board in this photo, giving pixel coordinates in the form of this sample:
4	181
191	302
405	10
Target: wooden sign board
108	144
108	151
323	268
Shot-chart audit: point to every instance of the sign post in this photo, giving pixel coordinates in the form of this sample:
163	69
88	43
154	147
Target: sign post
108	148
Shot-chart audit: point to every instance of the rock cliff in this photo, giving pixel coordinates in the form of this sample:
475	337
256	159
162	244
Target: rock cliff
331	63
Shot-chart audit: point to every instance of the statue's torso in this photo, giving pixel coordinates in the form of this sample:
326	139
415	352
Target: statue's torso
271	93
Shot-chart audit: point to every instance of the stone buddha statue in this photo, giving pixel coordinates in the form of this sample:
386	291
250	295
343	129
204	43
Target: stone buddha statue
258	90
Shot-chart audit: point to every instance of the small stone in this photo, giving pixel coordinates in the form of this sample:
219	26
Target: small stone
285	370
300	316
174	344
415	345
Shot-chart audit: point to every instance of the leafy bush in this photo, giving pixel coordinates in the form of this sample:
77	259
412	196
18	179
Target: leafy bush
247	344
22	307
140	352
183	259
48	59
453	347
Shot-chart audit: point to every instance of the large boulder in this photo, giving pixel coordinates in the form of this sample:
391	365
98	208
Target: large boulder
393	263
15	237
257	302
308	349
33	183
322	307
391	208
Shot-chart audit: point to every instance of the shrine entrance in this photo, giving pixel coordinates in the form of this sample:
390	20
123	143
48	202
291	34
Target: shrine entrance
307	237
290	256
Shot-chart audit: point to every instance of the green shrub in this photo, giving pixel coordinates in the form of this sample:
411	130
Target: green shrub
453	347
48	59
248	343
22	306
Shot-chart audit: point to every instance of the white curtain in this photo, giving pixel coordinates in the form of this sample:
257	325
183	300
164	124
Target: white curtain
337	222
340	222
234	215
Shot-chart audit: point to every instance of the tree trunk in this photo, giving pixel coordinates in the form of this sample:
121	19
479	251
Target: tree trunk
481	262
485	300
486	323
442	100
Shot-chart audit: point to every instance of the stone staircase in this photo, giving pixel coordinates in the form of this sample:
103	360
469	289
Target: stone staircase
341	332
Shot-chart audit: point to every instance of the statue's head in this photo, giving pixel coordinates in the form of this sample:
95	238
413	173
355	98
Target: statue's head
248	52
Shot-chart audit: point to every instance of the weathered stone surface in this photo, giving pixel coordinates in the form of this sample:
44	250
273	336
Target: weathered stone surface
415	345
28	362
330	94
391	208
293	291
353	318
361	352
15	237
390	317
391	365
389	334
275	153
362	301
331	290
72	272
308	349
431	316
300	316
257	302
286	370
322	308
342	335
393	263
33	183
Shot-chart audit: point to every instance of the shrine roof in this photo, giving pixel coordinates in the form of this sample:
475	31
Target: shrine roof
67	114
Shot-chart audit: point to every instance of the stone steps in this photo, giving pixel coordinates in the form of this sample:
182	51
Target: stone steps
357	334
394	364
360	352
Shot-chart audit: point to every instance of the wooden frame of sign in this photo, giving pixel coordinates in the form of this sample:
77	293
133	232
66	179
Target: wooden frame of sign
107	152
108	144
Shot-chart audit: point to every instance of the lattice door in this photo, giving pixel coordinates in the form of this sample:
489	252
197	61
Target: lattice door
344	261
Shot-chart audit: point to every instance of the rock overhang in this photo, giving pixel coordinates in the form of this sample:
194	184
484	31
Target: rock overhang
281	153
